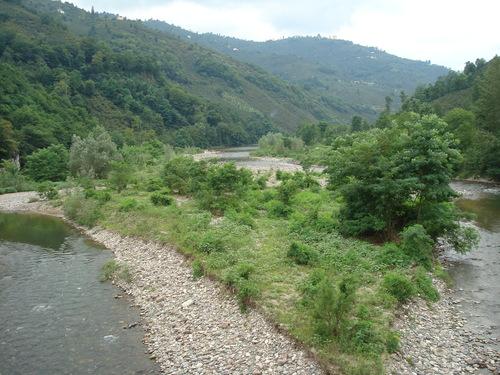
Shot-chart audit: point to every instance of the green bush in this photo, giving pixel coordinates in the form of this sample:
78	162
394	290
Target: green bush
210	242
247	290
332	306
11	179
424	285
102	196
120	175
417	244
112	270
47	190
398	286
154	184
183	174
197	269
302	254
129	204
277	209
366	338
161	198
48	164
83	211
392	342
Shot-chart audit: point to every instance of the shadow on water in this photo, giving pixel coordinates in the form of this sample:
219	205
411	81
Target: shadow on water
57	317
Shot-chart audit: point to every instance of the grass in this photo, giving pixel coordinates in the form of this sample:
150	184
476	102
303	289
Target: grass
250	251
112	270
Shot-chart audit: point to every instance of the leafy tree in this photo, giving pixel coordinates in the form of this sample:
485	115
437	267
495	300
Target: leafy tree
48	164
93	155
387	177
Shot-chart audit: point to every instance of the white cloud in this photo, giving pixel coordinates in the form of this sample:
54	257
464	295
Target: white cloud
447	32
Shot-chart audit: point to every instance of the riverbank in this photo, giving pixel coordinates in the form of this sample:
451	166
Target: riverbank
193	326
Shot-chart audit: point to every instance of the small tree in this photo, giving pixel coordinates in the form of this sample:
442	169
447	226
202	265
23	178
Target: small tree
48	164
92	156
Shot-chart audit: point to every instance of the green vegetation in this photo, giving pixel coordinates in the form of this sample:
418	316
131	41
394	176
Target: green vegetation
352	79
113	270
283	247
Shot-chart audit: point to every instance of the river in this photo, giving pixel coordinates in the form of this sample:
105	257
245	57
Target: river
476	275
56	316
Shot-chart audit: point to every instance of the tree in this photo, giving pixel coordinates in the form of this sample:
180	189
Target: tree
92	156
48	164
488	102
389	177
8	144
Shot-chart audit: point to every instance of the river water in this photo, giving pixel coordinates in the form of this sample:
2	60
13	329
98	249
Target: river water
476	275
56	317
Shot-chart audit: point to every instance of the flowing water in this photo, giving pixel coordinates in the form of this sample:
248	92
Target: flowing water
477	275
56	317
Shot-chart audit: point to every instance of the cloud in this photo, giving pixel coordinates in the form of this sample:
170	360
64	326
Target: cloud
448	32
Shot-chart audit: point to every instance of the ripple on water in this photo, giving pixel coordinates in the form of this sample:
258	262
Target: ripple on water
56	317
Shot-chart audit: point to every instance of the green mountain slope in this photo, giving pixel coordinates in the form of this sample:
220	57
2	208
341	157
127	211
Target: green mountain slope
354	78
64	71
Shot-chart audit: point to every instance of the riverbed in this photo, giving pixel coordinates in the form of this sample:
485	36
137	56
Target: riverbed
56	316
476	275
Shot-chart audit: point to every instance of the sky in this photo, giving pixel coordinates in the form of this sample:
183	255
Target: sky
446	32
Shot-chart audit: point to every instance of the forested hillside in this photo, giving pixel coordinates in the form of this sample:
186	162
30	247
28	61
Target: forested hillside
469	102
353	78
63	71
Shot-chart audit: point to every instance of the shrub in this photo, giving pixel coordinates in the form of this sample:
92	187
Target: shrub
120	175
365	338
332	306
399	286
47	190
197	269
128	204
210	242
247	290
302	254
92	156
392	342
154	184
277	209
112	270
11	180
183	174
83	211
161	198
101	196
48	164
417	244
424	285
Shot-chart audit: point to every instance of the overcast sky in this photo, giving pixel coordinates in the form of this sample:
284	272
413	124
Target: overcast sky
447	32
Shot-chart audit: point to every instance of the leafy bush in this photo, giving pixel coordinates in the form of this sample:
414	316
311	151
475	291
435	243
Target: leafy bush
11	180
247	290
161	198
392	342
302	254
239	278
210	242
83	211
48	164
154	184
424	285
417	244
47	190
129	204
102	196
277	208
93	155
366	338
183	174
398	286
120	175
332	305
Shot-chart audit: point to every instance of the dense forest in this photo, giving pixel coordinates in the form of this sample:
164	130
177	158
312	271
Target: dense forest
353	78
64	71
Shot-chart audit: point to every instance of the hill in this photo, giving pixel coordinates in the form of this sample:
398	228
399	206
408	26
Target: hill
354	78
64	70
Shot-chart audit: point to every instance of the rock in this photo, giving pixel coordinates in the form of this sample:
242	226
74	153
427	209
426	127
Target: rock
187	303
